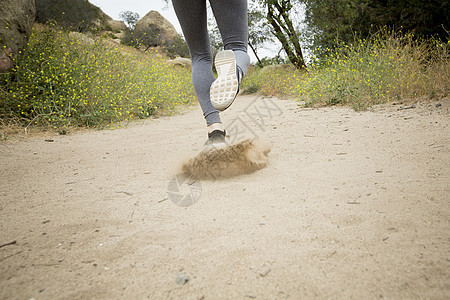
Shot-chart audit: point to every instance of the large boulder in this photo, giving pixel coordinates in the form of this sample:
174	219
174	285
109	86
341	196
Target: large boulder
16	21
114	28
155	19
116	25
108	22
181	61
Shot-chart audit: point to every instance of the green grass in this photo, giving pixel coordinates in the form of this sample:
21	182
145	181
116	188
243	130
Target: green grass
62	80
388	67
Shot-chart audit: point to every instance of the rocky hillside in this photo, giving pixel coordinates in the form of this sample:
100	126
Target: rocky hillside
154	18
16	22
78	15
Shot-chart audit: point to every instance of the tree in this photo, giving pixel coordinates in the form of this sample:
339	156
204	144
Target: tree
330	21
271	18
258	31
424	18
283	29
130	18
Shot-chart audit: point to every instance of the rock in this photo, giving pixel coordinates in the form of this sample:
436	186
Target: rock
181	61
76	14
168	32
119	35
5	60
116	26
16	21
181	278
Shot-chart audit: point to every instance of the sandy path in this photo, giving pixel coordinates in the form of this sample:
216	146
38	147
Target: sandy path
352	205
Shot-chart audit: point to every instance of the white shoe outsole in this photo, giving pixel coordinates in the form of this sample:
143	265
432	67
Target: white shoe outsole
224	89
215	146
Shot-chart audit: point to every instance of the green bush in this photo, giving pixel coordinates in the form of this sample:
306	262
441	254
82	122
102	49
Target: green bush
66	80
130	39
177	47
152	37
388	67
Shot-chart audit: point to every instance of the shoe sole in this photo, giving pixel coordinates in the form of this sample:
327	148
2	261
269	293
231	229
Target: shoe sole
215	146
224	89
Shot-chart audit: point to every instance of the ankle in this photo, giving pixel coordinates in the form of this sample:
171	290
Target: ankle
240	74
215	126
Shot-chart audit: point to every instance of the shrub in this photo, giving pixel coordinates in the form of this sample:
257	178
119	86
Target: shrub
152	37
389	66
62	81
177	47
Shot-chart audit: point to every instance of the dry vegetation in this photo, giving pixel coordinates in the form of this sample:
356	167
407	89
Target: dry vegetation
388	67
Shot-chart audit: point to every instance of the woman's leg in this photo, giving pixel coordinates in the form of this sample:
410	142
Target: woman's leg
232	20
193	20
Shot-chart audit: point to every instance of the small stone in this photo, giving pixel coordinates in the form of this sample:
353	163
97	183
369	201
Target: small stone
181	278
265	272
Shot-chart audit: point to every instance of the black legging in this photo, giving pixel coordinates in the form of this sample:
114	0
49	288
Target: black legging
232	20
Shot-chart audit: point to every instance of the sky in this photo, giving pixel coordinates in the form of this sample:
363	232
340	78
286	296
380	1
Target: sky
113	8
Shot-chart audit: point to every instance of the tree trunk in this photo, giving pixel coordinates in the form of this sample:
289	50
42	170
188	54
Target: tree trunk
256	54
283	29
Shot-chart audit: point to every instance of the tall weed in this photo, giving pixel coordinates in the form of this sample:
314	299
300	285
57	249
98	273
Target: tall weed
389	66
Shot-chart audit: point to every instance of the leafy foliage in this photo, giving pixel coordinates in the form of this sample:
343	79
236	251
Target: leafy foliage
130	18
330	21
423	18
148	37
279	16
388	67
152	37
259	31
177	47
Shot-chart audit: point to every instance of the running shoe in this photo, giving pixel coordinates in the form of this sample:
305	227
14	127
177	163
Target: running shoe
216	138
226	87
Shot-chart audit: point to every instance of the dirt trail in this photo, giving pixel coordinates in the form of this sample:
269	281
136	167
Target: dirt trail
351	205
